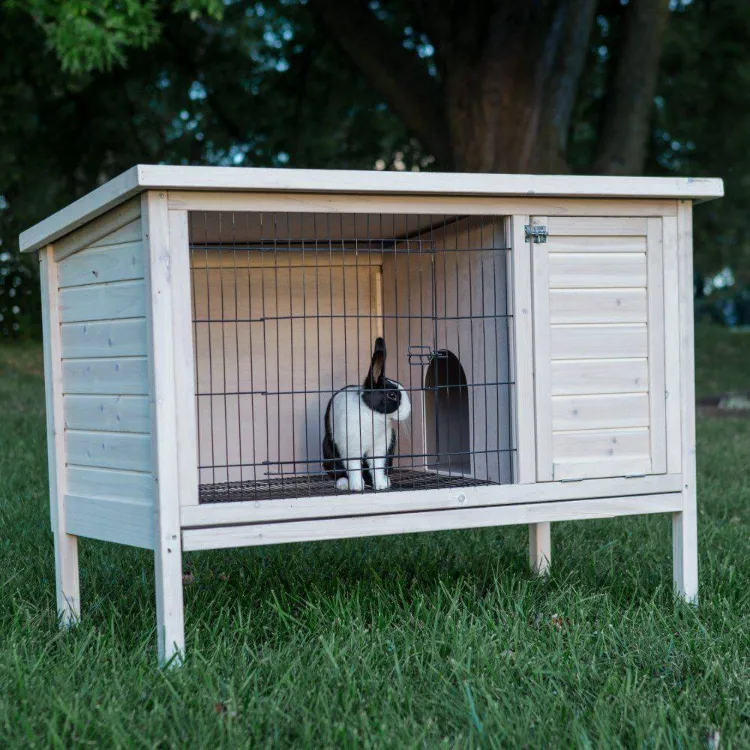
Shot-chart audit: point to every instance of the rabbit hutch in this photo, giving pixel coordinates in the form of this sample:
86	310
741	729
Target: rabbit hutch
493	350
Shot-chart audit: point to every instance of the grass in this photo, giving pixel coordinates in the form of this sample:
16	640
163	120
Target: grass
432	640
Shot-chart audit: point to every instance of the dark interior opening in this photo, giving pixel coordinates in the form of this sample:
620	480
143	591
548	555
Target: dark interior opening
447	413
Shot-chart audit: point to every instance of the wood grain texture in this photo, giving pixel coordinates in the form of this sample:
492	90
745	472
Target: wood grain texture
129	522
88	481
598	341
656	344
635	243
107	338
597	376
107	413
597	270
115	377
101	264
124	299
109	450
595	445
601	227
672	346
598	306
600	411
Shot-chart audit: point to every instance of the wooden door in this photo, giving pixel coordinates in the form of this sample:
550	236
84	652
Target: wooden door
599	342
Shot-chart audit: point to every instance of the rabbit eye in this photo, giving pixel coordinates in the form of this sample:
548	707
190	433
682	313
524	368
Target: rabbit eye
393	395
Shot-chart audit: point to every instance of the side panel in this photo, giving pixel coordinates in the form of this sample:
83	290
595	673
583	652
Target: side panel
599	341
104	376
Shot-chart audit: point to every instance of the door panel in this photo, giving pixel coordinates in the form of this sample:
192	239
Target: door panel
599	340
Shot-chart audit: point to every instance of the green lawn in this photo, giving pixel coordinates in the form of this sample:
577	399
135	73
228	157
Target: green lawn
433	640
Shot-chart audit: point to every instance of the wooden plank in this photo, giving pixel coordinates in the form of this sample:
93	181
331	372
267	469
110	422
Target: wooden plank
90	481
634	243
598	306
584	377
121	521
342	528
600	411
540	548
111	338
109	450
66	546
656	344
96	230
598	341
98	265
115	377
672	346
521	346
284	258
162	386
604	445
123	299
542	356
371	503
627	469
600	227
132	232
597	270
107	413
685	523
187	420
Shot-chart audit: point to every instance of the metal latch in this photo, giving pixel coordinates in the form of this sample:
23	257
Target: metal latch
423	355
536	233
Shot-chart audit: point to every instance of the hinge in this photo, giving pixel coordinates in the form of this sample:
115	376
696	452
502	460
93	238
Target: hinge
536	233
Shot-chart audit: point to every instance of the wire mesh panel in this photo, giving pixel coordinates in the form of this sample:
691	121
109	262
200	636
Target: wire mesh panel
342	353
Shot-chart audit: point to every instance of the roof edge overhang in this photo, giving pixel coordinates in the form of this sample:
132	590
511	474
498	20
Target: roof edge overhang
228	179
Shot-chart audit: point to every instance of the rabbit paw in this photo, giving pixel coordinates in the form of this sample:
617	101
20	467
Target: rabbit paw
342	483
382	482
356	483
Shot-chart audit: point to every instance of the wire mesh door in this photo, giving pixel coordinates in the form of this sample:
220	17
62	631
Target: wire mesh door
288	312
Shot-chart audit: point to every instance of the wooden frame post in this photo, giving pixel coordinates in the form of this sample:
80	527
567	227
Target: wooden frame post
161	301
685	523
66	546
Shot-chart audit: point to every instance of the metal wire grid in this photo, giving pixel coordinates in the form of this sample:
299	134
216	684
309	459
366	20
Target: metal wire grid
286	308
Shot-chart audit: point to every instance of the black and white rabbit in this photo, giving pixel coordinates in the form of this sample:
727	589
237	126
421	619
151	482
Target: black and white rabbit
360	438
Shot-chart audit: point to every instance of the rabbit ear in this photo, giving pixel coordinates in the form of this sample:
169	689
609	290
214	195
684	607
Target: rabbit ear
377	366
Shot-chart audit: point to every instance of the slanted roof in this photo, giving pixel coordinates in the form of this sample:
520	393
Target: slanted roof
155	177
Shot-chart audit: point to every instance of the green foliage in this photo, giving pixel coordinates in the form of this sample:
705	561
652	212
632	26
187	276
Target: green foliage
428	640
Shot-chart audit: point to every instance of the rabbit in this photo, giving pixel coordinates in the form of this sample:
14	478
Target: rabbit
360	438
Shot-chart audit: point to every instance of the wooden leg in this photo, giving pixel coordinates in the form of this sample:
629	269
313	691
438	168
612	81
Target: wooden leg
170	616
540	548
67	579
685	552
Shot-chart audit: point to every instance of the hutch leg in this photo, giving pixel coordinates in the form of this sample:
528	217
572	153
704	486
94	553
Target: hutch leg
170	615
540	548
67	579
685	550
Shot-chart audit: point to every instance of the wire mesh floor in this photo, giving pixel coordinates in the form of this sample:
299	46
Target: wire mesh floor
321	485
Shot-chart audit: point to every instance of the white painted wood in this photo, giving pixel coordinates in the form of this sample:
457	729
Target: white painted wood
540	548
592	376
597	270
634	243
522	351
225	537
604	445
685	523
96	230
109	338
98	265
542	355
66	545
95	482
672	346
627	468
162	362
117	376
583	226
598	306
122	299
598	341
372	503
187	421
132	232
656	336
107	413
600	411
286	257
109	450
160	177
122	521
